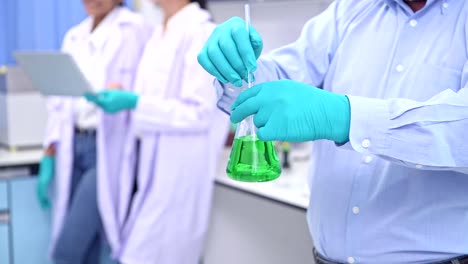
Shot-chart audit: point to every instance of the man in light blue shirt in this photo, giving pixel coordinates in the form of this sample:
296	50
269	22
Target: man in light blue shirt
390	185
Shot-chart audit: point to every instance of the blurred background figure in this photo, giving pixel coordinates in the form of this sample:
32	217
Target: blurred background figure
242	215
176	136
83	146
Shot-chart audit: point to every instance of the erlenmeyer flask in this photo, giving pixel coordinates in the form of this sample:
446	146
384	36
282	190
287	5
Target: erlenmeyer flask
251	159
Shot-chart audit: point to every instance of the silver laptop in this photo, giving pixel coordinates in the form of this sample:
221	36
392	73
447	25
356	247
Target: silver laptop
54	73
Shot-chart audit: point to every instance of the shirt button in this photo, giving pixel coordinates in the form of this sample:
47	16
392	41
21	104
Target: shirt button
365	143
419	166
368	159
351	260
355	210
413	22
400	68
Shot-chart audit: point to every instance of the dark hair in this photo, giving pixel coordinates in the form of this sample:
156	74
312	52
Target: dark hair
202	3
122	3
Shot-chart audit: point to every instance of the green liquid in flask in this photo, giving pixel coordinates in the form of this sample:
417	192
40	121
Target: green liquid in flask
253	160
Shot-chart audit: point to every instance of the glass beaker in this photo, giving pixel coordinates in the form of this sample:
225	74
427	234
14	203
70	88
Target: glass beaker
251	159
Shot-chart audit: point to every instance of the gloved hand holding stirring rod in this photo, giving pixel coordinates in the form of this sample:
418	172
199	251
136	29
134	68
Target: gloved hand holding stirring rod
283	110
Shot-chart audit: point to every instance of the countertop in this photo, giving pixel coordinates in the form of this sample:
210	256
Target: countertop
290	188
20	157
20	163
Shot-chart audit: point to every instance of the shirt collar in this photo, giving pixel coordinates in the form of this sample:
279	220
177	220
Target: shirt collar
403	4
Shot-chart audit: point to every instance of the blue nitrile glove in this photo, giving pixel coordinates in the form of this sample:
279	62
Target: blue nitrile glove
231	52
295	112
46	175
113	101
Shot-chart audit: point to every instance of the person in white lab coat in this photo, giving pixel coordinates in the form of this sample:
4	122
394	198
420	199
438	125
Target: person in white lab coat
84	146
180	134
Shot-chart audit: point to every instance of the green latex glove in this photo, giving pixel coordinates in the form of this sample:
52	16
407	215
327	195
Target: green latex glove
46	175
231	52
295	112
114	101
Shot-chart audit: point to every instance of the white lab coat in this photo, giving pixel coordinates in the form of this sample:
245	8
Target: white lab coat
181	134
123	48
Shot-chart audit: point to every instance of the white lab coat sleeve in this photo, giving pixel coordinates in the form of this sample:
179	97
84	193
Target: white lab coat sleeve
428	135
190	111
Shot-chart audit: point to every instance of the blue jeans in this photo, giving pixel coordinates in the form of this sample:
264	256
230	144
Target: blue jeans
79	241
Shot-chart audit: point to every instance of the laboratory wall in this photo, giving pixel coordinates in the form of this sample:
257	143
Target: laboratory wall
36	24
279	22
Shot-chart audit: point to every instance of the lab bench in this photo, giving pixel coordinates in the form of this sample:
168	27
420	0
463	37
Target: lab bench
260	223
24	226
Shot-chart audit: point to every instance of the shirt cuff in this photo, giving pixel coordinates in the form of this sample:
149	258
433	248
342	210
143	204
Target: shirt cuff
369	125
345	146
227	94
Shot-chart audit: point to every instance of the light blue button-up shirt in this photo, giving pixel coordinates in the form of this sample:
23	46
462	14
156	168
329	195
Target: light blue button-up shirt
398	191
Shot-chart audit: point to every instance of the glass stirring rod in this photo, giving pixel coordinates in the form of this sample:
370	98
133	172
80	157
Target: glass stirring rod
247	27
249	120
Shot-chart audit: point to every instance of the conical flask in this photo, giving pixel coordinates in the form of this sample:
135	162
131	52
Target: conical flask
251	159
